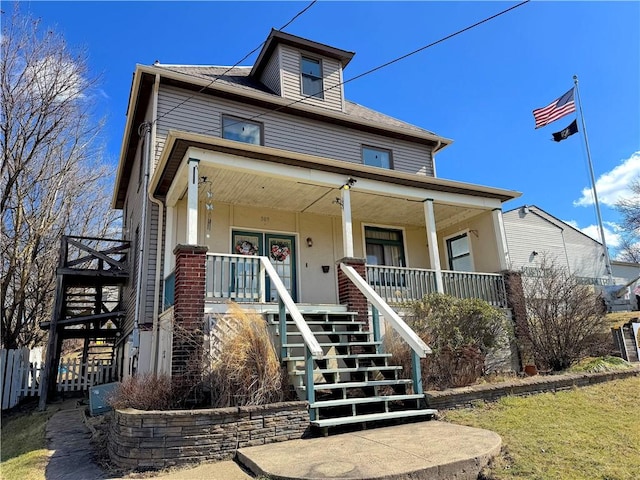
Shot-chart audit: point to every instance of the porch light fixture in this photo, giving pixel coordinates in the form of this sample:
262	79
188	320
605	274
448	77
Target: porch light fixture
534	253
309	242
350	182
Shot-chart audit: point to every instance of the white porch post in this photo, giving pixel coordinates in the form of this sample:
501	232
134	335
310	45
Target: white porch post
192	202
501	239
347	227
432	239
168	239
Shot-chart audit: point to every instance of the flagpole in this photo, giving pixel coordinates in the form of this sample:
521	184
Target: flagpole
593	183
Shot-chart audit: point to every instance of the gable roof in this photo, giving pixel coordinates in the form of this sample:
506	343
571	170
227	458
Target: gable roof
552	219
276	37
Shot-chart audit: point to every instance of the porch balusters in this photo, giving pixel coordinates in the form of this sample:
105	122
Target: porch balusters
235	277
401	284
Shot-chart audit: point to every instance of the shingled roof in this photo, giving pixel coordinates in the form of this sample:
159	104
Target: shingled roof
239	77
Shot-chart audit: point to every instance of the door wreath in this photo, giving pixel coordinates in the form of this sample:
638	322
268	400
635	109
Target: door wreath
279	252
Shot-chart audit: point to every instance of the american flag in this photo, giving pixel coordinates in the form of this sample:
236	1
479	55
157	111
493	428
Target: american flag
557	109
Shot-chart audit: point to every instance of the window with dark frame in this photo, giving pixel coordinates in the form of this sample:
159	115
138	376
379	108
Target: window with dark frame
376	157
384	246
241	130
459	253
311	71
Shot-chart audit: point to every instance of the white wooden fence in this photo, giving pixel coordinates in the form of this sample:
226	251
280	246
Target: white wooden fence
21	377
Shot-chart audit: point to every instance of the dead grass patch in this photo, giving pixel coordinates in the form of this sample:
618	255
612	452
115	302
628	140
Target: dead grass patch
586	433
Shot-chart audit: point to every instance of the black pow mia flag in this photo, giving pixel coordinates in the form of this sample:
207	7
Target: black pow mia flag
567	132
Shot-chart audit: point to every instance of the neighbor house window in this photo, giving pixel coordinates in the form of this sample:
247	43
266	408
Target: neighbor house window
459	253
384	246
234	128
376	157
311	70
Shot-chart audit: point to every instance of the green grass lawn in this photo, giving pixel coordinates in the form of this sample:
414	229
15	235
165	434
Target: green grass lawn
586	433
23	454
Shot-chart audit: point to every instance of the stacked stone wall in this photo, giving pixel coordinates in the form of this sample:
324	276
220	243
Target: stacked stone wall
159	439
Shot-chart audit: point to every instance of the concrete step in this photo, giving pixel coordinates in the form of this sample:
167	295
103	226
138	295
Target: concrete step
373	417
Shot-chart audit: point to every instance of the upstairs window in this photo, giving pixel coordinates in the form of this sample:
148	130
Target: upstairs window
376	157
459	253
311	70
234	128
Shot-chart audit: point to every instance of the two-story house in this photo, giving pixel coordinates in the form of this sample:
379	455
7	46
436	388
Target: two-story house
265	185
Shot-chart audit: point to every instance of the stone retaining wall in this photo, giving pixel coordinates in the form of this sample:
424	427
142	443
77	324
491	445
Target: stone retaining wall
466	396
158	439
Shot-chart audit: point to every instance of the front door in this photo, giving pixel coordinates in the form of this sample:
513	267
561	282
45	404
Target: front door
281	251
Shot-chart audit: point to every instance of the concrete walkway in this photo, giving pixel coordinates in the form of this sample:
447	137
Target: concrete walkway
72	455
425	450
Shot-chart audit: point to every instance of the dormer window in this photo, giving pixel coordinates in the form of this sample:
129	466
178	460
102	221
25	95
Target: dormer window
311	70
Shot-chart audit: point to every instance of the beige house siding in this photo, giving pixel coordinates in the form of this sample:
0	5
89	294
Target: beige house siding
271	75
203	114
292	82
480	233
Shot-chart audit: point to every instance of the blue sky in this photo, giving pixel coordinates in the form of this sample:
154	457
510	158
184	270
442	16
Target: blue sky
478	88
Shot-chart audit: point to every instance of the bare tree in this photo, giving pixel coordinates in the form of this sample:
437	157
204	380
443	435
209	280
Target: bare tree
564	318
53	180
629	207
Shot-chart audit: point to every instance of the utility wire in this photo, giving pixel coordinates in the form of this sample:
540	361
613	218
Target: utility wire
379	67
234	65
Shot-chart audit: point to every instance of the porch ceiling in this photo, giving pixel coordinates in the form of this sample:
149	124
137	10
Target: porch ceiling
255	190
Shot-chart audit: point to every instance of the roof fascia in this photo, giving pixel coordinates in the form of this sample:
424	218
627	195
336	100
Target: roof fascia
277	37
556	219
132	115
312	161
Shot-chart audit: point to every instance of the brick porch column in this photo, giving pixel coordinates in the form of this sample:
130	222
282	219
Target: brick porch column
188	311
348	293
517	303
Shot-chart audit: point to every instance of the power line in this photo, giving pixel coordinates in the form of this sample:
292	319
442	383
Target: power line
386	64
234	65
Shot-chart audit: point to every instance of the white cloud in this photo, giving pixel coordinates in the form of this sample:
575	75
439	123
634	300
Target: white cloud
613	185
56	78
610	233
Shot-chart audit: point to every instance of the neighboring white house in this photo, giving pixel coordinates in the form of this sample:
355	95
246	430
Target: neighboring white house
534	234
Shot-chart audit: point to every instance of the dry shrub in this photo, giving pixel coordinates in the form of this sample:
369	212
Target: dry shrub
143	392
247	371
459	331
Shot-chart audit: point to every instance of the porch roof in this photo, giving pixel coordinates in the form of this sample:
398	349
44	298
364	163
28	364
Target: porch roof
178	142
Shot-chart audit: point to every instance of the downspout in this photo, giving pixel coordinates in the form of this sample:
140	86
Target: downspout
433	157
153	365
144	129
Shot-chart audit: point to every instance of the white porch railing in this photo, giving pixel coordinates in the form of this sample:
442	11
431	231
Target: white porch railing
419	349
401	284
240	278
